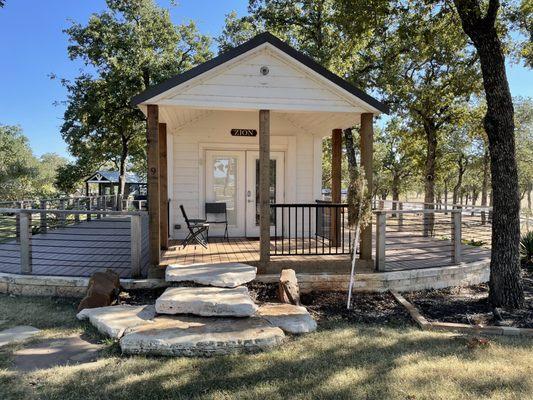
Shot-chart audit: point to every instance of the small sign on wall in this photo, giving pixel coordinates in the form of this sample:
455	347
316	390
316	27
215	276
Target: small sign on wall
243	132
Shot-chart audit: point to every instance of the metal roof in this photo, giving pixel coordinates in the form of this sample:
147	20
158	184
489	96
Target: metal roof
113	176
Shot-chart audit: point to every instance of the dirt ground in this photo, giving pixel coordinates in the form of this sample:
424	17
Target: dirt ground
469	305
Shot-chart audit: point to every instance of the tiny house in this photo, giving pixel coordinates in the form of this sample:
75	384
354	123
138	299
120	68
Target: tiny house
246	128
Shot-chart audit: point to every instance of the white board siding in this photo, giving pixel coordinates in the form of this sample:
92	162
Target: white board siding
213	132
241	85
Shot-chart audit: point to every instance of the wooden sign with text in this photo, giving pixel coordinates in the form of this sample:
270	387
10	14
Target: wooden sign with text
243	132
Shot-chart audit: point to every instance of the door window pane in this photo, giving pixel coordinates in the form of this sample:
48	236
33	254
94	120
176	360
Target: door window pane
225	184
272	196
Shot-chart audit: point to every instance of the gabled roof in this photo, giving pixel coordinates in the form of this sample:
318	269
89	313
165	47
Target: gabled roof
113	177
256	41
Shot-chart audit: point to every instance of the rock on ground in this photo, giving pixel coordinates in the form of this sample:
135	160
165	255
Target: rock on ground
289	290
220	275
17	334
290	318
102	290
115	320
206	301
198	336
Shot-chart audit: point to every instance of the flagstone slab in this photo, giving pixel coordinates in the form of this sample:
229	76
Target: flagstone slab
55	352
206	301
115	320
201	337
290	318
220	275
17	334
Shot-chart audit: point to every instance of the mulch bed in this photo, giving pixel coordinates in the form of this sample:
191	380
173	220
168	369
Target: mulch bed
376	308
469	305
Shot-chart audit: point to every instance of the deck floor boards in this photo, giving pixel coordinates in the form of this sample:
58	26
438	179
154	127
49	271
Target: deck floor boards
105	243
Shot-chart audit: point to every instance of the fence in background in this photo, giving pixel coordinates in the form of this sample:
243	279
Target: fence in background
73	242
94	203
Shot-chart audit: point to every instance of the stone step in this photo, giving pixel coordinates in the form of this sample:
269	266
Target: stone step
220	275
290	318
200	336
206	301
115	320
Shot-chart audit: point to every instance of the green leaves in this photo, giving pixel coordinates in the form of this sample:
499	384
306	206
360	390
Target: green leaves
127	48
22	175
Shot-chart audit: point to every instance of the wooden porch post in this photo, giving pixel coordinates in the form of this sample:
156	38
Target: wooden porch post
336	163
152	139
163	185
367	149
264	189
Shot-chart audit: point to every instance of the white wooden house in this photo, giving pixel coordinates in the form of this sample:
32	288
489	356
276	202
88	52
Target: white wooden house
212	130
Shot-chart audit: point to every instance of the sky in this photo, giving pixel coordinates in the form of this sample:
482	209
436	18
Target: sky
33	46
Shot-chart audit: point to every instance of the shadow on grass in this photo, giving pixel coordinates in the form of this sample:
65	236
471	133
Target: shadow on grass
340	361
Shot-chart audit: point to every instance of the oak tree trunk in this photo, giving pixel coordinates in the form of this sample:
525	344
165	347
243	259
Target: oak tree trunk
505	286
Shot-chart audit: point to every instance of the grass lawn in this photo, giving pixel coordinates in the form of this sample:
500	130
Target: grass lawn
339	361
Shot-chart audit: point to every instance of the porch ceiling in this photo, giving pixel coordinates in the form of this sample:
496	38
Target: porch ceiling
316	123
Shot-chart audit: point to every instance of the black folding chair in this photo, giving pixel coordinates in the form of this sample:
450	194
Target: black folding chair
218	209
198	230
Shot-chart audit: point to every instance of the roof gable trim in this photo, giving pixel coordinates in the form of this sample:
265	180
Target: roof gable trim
255	42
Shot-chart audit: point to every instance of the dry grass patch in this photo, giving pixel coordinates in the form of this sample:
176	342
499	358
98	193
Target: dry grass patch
340	361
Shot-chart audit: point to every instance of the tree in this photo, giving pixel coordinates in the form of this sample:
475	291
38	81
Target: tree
127	48
399	156
430	82
22	175
524	147
237	31
44	182
18	166
479	22
521	16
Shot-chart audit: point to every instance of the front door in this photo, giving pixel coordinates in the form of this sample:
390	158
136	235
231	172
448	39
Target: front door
225	183
277	186
233	177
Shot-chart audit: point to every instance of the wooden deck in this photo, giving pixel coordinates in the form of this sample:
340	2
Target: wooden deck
403	253
79	249
86	247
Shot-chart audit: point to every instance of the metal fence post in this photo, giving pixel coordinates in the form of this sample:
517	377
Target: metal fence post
99	206
381	228
19	205
25	245
43	224
62	216
136	245
77	206
456	236
89	207
400	216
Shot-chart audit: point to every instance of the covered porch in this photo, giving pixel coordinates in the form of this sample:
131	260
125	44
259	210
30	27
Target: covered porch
246	129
